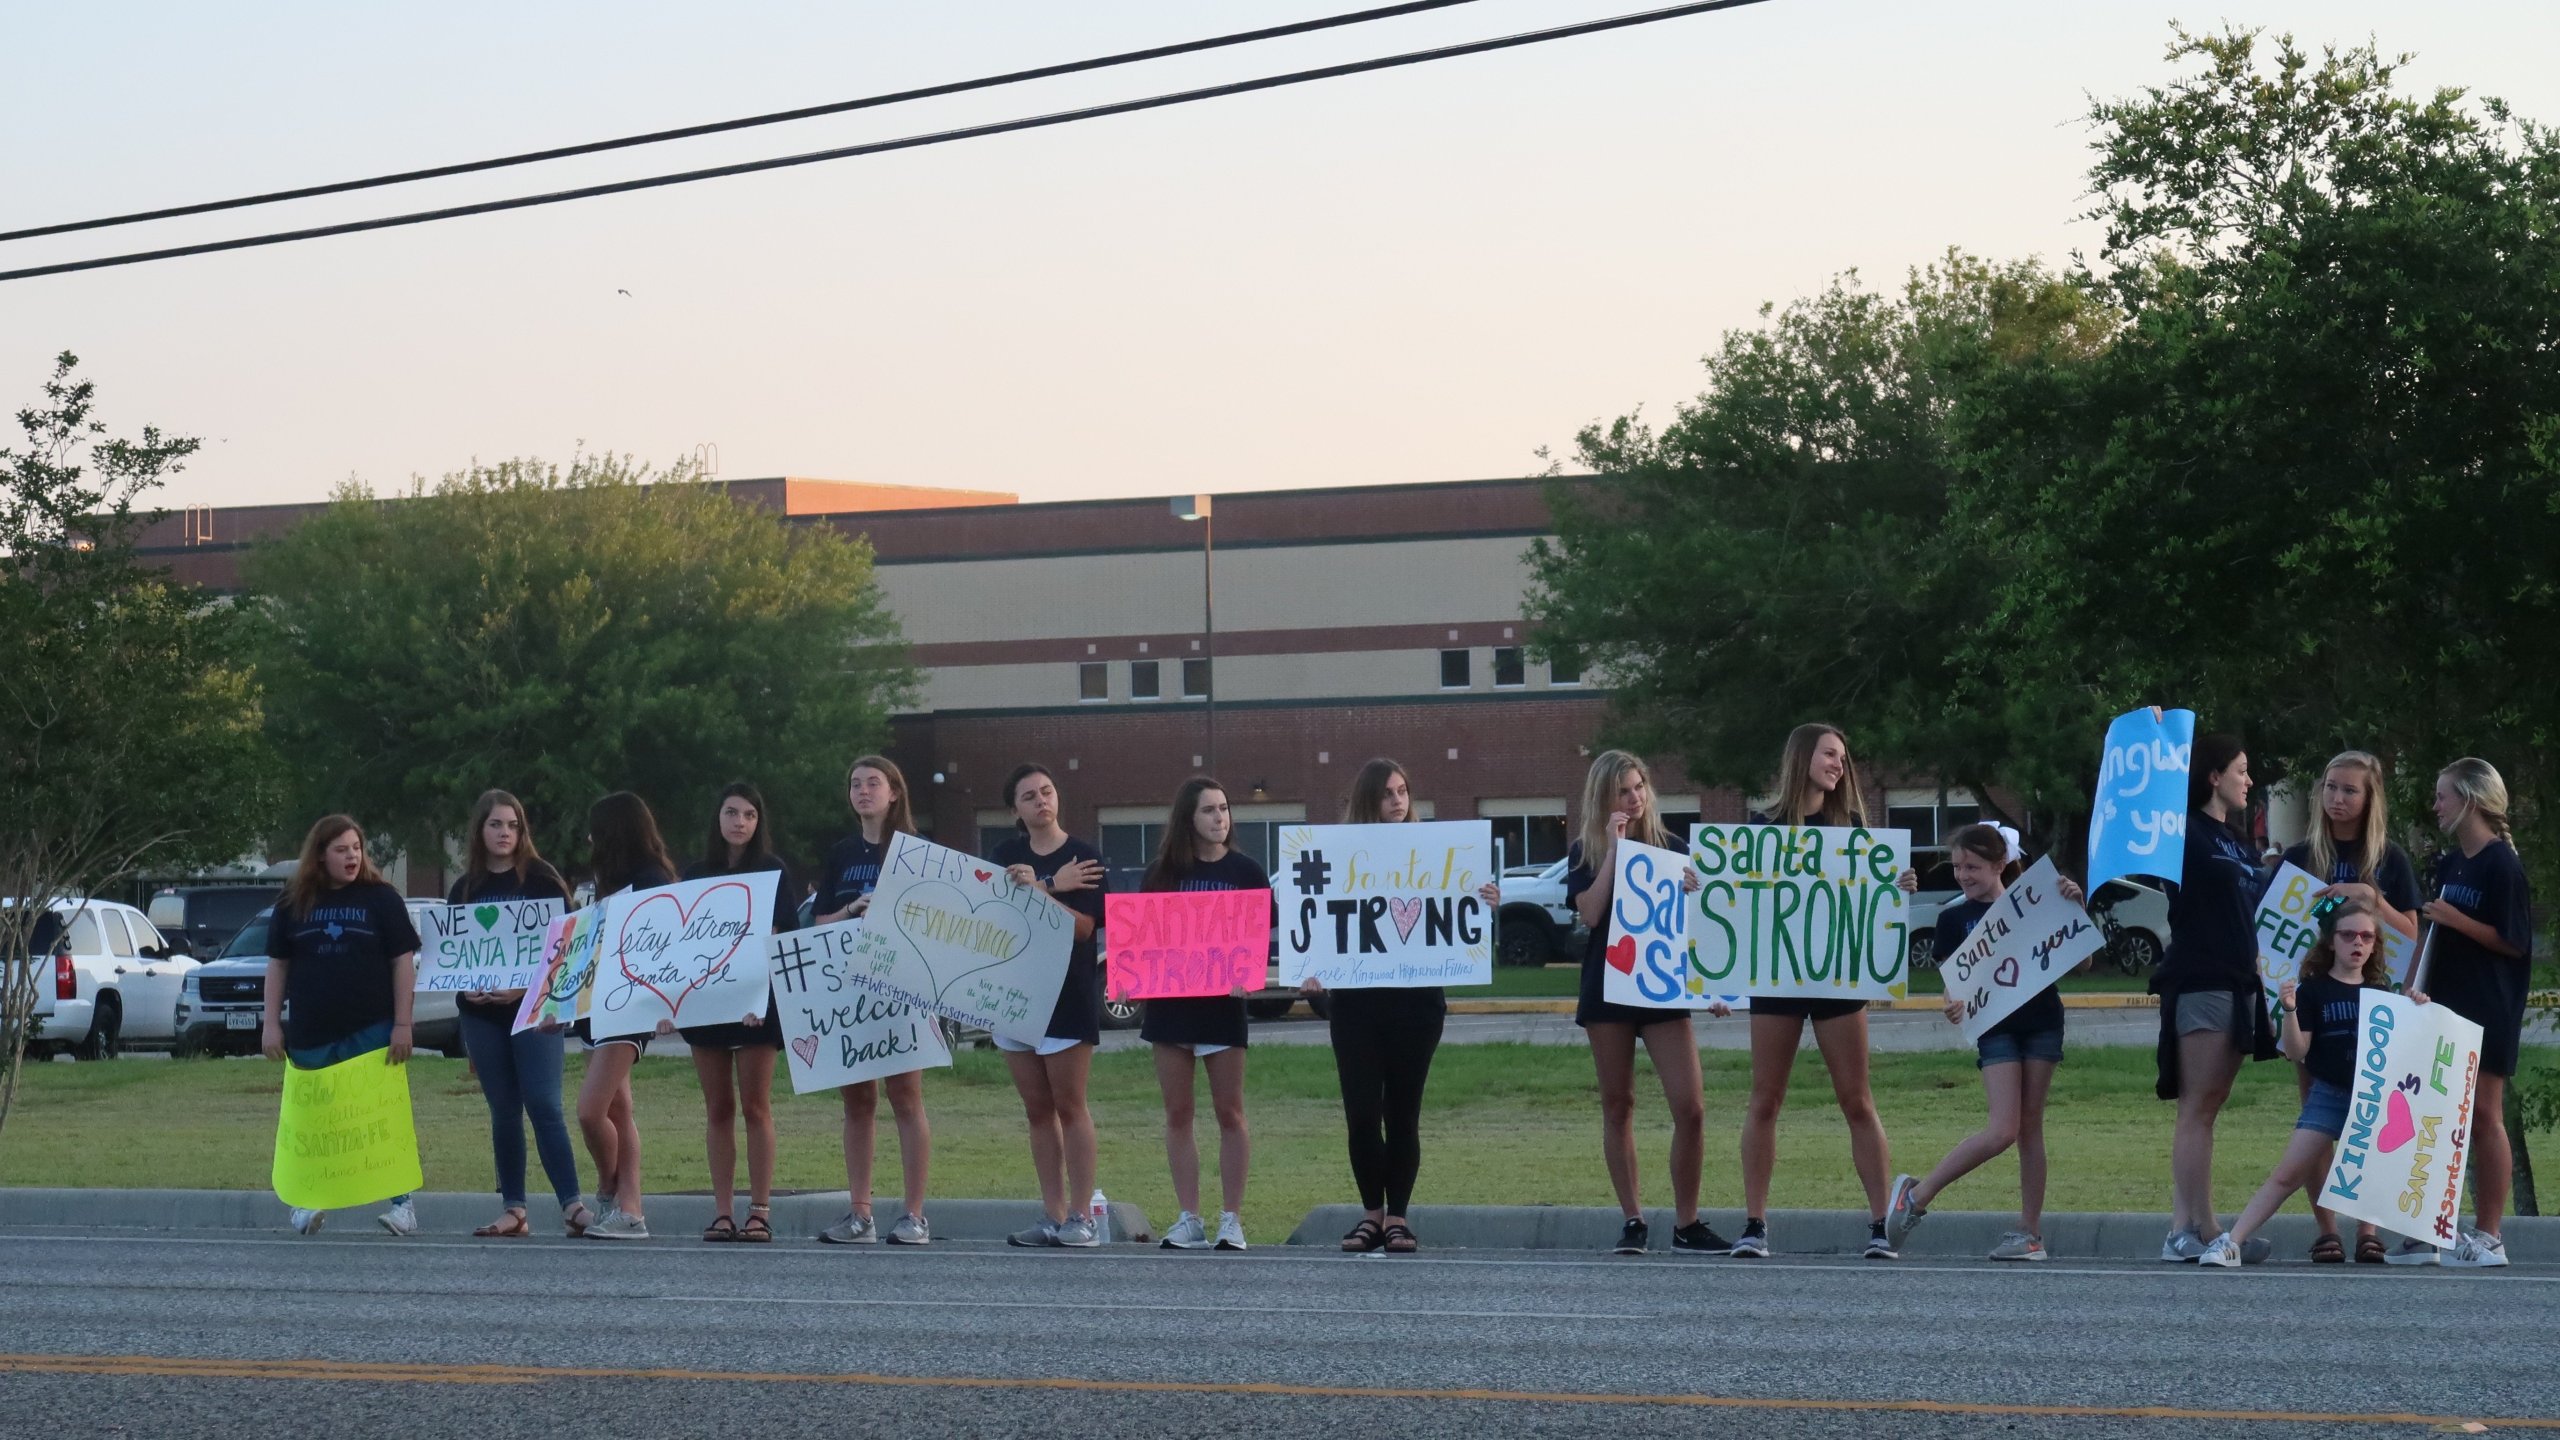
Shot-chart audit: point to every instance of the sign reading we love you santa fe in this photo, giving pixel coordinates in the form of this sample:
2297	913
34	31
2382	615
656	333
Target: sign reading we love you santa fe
492	945
1363	906
691	953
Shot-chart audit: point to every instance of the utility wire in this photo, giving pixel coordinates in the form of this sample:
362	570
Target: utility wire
718	127
910	142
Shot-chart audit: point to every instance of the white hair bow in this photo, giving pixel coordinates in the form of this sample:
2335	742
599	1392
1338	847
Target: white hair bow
2016	852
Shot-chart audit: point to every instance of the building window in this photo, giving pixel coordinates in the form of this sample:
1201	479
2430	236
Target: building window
1457	669
1093	681
1195	679
1143	684
1678	823
1929	821
1128	849
1564	668
1535	840
1509	671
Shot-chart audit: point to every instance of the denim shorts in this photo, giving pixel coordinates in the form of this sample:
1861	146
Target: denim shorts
2324	1110
2010	1049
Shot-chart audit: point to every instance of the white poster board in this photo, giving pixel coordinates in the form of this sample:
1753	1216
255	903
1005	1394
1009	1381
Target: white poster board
1800	911
691	953
1363	906
487	945
2286	933
2408	1137
1647	960
2028	939
834	1030
952	935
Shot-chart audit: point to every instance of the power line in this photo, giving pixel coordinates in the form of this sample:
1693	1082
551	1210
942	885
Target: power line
718	127
910	142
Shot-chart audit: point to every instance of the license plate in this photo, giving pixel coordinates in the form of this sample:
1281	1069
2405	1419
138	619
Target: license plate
240	1020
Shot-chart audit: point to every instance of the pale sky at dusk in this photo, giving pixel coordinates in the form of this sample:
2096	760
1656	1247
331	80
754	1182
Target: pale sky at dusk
1423	274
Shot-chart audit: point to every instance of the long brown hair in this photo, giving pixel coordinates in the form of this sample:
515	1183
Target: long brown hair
759	852
1369	793
1600	800
2377	820
2323	956
311	873
528	860
901	819
1179	851
1843	806
626	841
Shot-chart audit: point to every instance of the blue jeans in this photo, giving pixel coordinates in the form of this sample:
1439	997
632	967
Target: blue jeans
520	1076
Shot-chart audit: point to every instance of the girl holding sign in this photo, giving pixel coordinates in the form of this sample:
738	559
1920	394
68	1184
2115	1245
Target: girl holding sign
629	855
2213	1011
1617	804
341	967
2482	956
2016	1057
1818	786
734	1059
2351	850
519	1074
877	789
1051	1076
1195	855
2320	1013
1383	1040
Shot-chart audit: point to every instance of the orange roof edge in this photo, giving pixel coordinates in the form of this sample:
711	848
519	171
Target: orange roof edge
828	497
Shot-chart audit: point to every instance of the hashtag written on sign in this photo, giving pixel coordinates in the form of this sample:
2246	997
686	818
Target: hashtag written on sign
1312	873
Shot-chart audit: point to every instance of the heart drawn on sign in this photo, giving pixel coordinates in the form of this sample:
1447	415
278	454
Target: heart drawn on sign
2399	1127
983	875
487	915
1622	956
705	960
806	1047
954	939
1406	912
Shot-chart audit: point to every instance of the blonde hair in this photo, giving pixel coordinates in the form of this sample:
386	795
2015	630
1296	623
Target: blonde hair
1600	800
1796	792
2377	821
2483	791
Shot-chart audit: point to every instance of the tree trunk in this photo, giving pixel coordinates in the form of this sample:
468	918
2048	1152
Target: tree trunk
2522	1201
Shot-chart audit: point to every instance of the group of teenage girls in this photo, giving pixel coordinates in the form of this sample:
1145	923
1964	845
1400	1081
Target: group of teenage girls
342	949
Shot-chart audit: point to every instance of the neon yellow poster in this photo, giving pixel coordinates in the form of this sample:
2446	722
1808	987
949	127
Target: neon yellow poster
344	1135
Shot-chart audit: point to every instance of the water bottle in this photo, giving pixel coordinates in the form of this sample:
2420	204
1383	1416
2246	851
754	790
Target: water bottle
1101	1217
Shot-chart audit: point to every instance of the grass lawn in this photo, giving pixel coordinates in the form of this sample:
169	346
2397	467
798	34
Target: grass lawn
1506	1124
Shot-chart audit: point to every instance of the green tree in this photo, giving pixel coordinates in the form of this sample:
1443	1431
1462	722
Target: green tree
129	724
562	634
1780	551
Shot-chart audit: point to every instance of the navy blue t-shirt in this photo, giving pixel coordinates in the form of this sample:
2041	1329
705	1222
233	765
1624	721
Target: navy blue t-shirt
2481	985
338	955
1078	1015
2328	1011
537	881
2395	879
1206	1019
2213	912
2044	1012
852	871
784	898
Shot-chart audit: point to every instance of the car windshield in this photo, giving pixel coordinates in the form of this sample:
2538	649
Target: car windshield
212	912
250	943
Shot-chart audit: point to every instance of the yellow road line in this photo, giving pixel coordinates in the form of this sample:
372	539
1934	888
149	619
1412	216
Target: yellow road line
169	1367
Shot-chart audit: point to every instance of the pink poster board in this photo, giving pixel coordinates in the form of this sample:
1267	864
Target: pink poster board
1165	944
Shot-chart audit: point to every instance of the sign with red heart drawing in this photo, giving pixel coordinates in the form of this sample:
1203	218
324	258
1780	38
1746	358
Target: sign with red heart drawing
952	935
2410	1119
691	953
836	1031
1648	955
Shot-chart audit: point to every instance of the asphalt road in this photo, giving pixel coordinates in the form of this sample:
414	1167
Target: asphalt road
363	1335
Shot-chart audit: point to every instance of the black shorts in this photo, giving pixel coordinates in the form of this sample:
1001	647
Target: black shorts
1804	1007
1195	1020
2485	1002
1590	1007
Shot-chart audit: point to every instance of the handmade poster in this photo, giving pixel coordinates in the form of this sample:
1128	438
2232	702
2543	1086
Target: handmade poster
1176	943
1363	906
2409	1118
2028	939
1649	959
952	935
1801	911
691	953
2286	933
836	1031
344	1135
2138	818
563	986
493	945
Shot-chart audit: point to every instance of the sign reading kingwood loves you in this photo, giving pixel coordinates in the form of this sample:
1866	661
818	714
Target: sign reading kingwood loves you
1800	911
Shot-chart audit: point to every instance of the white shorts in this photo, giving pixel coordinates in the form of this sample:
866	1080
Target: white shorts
1198	1052
1049	1045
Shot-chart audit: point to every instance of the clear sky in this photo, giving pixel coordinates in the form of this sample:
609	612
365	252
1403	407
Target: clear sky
1423	274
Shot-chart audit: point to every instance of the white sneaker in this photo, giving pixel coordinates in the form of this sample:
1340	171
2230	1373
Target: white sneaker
1231	1232
1185	1233
619	1226
307	1222
400	1219
2412	1252
2221	1254
2477	1250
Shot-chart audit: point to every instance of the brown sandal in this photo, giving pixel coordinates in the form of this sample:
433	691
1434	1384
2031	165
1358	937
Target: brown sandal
757	1231
2370	1251
721	1229
576	1219
514	1226
1364	1237
1400	1240
2328	1250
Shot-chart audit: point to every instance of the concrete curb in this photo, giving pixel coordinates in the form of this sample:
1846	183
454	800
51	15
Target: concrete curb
1526	1005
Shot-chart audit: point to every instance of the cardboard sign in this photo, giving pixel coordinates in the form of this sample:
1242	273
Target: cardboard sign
1375	905
491	945
2138	818
836	1031
2409	1119
344	1135
952	935
2286	933
691	953
1801	911
1650	964
1184	943
565	983
2028	939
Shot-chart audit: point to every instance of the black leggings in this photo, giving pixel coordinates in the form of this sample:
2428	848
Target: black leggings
1382	1047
